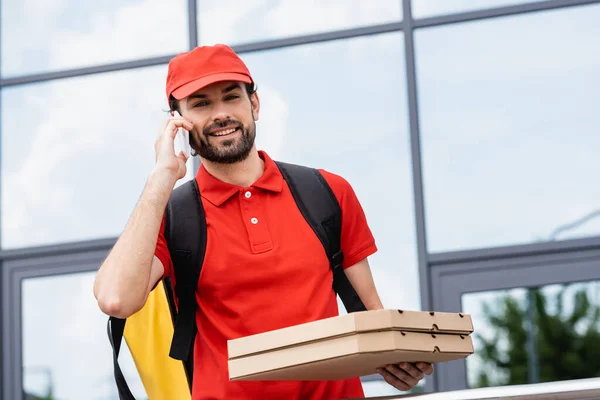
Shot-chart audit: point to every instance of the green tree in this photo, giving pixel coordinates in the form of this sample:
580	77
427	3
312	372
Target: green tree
567	345
48	396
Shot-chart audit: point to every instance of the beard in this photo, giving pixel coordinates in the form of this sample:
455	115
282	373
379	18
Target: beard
228	151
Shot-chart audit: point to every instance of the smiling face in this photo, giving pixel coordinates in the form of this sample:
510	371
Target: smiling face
224	116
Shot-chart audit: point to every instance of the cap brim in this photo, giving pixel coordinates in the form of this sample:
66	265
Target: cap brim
193	86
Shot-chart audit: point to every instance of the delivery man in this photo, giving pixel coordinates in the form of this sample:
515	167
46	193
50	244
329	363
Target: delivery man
264	267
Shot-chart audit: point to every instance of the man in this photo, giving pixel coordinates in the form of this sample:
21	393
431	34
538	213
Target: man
264	267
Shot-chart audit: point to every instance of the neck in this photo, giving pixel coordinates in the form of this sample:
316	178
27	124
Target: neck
243	173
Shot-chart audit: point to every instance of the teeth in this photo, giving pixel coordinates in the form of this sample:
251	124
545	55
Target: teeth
223	133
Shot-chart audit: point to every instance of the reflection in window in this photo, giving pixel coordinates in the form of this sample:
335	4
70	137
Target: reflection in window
509	129
66	352
344	109
379	387
430	8
48	35
76	154
533	335
234	22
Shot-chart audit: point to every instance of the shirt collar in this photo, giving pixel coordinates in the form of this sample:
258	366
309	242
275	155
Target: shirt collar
218	192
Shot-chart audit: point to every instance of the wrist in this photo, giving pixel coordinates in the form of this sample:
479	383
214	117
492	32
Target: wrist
160	185
374	305
162	178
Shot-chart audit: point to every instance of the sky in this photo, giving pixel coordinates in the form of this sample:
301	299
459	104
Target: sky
506	119
67	338
256	20
47	35
509	128
432	8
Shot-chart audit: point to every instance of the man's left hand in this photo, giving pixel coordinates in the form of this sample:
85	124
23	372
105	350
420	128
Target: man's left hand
405	376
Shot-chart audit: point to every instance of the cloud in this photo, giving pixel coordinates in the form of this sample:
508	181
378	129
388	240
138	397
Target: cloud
430	8
89	150
507	136
58	34
230	21
74	354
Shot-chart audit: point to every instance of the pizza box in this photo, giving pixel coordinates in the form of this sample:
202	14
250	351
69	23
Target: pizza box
351	345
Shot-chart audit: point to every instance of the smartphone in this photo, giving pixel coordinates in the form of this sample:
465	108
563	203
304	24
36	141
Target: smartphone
182	140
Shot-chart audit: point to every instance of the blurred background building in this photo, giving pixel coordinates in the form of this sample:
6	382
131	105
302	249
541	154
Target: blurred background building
469	130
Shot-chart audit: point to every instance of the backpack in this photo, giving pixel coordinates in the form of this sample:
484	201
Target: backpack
185	228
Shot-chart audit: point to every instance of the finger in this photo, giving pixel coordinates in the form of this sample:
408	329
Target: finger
427	368
402	375
174	124
171	125
392	380
412	370
178	118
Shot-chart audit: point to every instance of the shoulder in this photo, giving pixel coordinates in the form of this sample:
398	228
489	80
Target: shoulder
338	184
341	187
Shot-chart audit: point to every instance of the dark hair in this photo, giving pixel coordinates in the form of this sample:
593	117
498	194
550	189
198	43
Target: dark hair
174	103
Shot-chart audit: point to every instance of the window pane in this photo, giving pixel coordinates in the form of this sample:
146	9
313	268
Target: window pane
234	22
430	8
346	112
48	35
76	154
66	352
534	335
510	129
380	387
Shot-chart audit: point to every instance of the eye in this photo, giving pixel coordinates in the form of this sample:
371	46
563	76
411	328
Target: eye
201	104
232	97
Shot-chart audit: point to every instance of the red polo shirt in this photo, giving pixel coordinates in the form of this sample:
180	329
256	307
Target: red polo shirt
265	269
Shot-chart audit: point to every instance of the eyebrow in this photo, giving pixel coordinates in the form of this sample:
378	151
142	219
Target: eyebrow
203	96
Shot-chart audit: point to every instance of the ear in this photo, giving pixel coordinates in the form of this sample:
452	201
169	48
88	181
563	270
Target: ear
255	104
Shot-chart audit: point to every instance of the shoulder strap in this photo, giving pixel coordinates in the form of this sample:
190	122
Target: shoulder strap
185	233
319	206
115	329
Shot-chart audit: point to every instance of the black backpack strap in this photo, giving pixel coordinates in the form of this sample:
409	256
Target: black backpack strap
320	208
185	233
115	329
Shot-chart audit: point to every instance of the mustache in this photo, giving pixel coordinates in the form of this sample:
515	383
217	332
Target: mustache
220	125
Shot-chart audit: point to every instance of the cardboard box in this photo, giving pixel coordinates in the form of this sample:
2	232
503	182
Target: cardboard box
351	345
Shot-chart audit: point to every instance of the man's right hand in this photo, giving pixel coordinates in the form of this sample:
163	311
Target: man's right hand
166	160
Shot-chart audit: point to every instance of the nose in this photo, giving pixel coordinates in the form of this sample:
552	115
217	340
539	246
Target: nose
221	112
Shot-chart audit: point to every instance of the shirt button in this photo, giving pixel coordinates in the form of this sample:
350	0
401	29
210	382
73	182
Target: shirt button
248	194
254	221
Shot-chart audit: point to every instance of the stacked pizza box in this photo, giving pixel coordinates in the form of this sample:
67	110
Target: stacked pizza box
351	345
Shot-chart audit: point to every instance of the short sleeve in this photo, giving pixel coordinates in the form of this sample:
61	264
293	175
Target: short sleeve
357	240
162	251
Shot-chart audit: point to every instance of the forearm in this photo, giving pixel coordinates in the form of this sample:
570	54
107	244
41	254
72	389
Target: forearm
361	279
122	281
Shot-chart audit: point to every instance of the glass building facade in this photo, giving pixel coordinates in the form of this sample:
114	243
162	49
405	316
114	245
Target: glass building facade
467	128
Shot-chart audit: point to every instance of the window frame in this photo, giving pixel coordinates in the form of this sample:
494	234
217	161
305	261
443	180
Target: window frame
18	265
458	273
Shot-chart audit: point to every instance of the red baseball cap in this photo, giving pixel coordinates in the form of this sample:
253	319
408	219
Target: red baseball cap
193	70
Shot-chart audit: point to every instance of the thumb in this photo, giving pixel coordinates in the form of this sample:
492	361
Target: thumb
181	156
